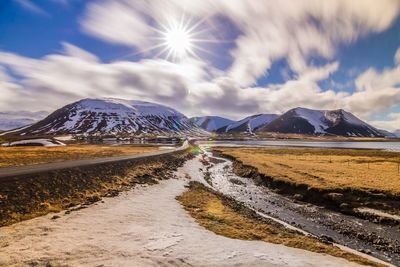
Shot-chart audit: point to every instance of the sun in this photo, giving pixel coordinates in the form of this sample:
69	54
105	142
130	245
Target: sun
179	41
180	38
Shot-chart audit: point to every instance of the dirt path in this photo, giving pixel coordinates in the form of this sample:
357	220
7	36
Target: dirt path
143	227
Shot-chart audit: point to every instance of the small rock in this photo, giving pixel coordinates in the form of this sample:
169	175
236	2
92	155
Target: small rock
55	217
335	196
92	199
298	196
365	251
326	239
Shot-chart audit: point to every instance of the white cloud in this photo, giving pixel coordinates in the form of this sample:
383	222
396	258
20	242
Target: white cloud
271	30
75	51
117	22
31	7
58	79
397	57
391	124
375	91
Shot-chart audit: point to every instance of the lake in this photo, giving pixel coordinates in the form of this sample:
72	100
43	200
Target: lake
391	146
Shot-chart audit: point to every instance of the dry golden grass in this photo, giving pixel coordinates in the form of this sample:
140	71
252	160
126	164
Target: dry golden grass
218	216
368	170
18	156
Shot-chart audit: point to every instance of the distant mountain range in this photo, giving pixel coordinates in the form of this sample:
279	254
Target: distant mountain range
17	119
110	116
304	121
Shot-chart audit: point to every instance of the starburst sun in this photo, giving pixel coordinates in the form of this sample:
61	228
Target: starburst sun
179	39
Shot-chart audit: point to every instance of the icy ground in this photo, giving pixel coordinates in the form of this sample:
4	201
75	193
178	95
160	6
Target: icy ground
142	227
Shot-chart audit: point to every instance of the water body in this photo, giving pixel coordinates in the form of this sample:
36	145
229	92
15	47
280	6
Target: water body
390	146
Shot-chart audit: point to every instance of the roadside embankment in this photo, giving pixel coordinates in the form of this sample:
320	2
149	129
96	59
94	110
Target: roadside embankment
33	195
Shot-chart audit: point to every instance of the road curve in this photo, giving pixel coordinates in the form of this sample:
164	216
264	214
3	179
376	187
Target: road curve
10	172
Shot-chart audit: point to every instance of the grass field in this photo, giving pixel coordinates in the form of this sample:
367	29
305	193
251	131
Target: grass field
367	170
225	217
18	156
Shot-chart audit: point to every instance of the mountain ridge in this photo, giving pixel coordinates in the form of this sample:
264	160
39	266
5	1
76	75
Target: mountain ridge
321	122
99	116
113	116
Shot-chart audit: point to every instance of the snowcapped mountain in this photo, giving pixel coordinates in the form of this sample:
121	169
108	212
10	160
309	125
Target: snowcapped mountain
309	121
211	123
16	119
248	124
397	133
113	116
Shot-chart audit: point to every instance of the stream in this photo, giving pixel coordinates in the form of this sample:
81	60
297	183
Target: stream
378	240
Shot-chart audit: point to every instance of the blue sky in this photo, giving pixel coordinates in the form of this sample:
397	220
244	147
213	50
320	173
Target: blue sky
253	57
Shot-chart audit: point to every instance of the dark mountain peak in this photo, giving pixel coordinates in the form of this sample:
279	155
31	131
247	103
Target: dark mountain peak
332	122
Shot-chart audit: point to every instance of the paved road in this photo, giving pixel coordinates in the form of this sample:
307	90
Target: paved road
10	172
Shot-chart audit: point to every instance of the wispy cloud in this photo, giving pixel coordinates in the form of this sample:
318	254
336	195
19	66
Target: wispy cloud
31	7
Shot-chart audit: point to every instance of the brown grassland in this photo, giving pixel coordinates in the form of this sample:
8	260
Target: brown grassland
225	217
18	156
366	170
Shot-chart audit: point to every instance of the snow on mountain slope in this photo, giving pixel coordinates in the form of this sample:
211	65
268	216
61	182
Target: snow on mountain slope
16	119
113	116
249	124
309	121
211	123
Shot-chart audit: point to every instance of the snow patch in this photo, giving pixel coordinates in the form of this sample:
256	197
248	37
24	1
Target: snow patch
40	142
314	117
